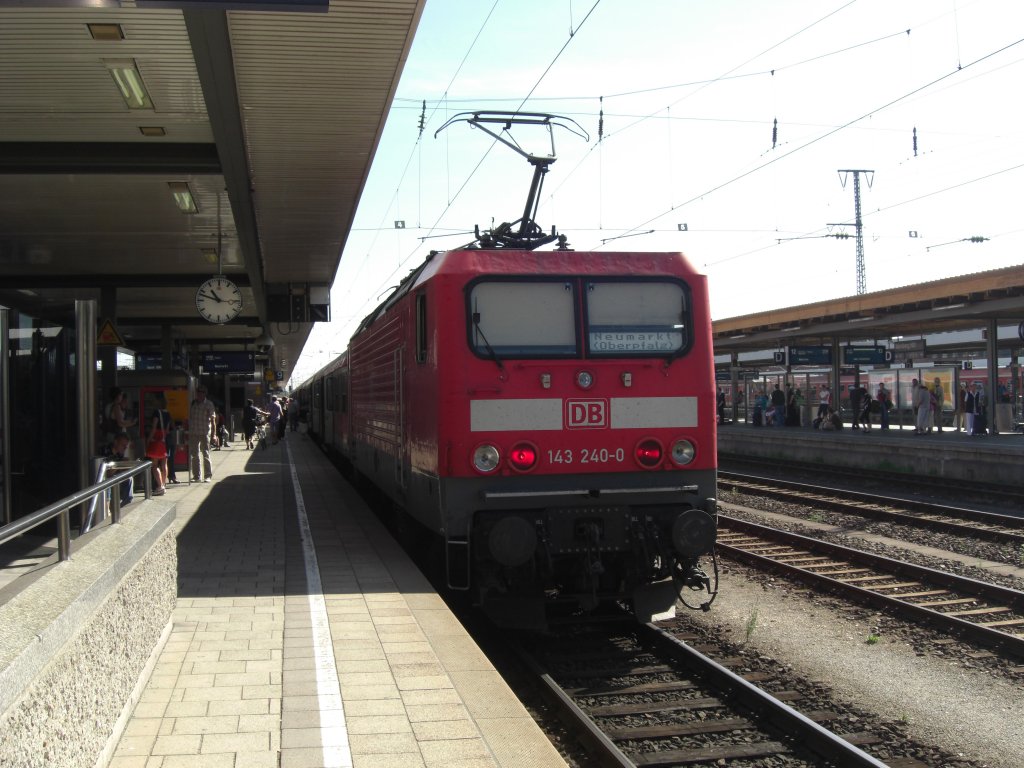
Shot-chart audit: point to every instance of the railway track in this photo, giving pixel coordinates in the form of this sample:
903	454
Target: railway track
1003	529
647	697
929	487
983	613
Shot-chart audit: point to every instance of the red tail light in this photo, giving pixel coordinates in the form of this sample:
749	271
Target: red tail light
523	457
648	453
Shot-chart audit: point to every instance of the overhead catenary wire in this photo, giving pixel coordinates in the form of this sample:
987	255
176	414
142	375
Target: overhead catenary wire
673	116
720	78
825	135
814	233
454	197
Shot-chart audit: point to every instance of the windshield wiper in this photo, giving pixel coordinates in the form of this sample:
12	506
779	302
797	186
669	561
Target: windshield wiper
487	344
682	347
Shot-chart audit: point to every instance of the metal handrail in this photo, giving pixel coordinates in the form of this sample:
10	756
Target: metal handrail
62	507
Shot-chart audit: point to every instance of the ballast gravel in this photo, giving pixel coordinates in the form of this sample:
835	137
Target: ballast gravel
967	712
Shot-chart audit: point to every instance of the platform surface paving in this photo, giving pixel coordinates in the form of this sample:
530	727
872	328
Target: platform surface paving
338	653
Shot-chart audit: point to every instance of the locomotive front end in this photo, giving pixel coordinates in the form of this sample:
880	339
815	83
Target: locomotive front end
588	469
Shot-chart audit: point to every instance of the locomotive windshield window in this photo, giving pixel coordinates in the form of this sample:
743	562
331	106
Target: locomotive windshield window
522	319
637	318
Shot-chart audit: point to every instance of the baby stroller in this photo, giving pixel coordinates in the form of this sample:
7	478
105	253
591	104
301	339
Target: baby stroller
260	435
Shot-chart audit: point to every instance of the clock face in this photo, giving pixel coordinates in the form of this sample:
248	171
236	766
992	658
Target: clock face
219	300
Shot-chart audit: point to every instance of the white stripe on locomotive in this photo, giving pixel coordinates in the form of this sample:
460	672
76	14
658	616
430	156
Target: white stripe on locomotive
548	414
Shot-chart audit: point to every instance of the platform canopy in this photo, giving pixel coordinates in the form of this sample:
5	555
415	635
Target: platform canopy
956	303
146	145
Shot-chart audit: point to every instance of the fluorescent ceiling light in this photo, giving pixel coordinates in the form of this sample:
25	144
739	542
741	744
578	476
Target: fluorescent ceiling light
859	319
787	330
152	130
106	31
129	83
183	196
948	306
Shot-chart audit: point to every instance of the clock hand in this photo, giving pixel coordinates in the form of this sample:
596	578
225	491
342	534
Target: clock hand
209	296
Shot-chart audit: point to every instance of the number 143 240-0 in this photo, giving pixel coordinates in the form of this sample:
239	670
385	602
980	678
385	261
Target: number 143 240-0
585	455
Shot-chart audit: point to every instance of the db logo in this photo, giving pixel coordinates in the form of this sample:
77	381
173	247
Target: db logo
586	414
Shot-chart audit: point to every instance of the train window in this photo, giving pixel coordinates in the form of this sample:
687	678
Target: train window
531	318
636	318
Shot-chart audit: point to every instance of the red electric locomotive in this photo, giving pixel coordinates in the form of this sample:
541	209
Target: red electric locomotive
548	416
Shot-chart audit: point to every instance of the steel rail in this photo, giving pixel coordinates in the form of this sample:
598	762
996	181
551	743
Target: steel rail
929	484
597	744
996	638
1013	526
802	729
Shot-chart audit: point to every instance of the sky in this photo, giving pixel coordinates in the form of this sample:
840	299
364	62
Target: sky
715	127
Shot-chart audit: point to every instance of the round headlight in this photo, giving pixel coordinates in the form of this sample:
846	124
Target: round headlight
486	458
683	452
585	379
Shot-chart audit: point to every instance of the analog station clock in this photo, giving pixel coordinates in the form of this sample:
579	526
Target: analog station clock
219	300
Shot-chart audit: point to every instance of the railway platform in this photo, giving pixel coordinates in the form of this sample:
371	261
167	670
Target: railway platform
303	636
996	459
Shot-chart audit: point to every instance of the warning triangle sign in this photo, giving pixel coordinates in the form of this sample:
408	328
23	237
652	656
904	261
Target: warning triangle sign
108	335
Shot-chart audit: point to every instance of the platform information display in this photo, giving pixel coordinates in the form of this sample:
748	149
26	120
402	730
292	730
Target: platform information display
229	362
865	355
810	355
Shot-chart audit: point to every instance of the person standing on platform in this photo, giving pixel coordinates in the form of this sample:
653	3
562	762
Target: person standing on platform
856	403
156	447
914	396
865	411
202	425
969	411
171	439
960	418
117	420
221	436
980	410
923	402
938	399
760	407
792	409
275	419
286	405
779	406
884	404
824	401
115	451
250	417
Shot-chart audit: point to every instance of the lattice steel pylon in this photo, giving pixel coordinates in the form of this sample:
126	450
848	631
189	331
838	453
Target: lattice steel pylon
862	280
